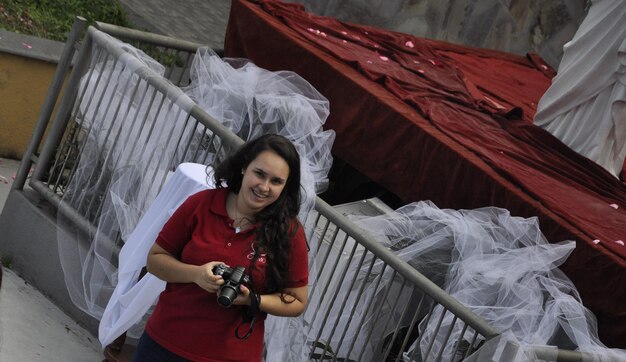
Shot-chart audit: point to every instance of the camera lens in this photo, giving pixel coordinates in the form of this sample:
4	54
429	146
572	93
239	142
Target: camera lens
227	295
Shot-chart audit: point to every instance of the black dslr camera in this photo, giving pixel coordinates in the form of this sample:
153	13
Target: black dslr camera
233	278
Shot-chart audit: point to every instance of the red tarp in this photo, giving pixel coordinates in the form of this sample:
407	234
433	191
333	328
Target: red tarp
430	120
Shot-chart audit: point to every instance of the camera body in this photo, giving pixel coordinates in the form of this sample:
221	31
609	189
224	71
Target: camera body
233	278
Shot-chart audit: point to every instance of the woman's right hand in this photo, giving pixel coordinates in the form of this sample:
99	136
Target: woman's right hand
206	279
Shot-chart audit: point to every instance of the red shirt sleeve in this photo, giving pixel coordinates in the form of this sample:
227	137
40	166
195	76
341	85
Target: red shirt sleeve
299	260
177	231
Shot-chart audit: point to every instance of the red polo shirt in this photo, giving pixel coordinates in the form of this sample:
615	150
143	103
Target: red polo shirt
187	319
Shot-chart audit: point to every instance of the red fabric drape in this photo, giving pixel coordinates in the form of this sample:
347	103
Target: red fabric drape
430	120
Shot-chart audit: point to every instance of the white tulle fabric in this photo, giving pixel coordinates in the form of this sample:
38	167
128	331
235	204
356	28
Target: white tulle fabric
252	101
585	107
132	136
124	129
499	266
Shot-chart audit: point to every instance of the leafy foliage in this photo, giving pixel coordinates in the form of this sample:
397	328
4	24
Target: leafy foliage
53	19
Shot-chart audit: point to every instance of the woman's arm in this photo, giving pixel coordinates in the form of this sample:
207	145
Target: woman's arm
296	299
166	267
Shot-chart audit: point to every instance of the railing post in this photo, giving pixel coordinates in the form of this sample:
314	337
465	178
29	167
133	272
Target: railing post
57	128
48	106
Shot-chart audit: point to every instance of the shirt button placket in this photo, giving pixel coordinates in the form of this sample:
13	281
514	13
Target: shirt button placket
229	241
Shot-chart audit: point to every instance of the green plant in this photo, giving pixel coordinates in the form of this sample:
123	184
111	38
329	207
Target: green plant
53	19
6	261
167	57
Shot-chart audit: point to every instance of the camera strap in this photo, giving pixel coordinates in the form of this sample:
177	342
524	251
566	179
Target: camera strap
249	315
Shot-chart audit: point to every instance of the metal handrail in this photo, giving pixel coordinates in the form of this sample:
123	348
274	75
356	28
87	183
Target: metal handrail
148	38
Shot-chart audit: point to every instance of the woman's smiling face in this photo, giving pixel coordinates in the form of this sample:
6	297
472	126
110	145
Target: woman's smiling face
263	181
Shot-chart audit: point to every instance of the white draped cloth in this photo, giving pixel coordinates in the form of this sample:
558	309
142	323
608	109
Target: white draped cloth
133	297
585	107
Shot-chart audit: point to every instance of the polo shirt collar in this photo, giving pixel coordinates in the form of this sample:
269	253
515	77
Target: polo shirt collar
218	206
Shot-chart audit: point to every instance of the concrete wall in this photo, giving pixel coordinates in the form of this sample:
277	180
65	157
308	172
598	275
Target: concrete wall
515	26
28	228
27	66
29	241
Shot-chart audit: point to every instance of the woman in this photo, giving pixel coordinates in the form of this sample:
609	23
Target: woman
248	220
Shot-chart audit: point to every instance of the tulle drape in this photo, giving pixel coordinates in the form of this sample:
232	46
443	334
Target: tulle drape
498	265
252	101
123	129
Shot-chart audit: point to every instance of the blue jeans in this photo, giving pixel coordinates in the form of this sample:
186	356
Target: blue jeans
150	351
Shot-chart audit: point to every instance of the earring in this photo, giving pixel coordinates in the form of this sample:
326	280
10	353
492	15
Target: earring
242	171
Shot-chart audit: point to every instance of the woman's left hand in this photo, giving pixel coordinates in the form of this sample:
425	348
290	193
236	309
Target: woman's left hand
243	298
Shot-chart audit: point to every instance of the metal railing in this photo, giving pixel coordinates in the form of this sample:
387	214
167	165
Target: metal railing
68	135
369	302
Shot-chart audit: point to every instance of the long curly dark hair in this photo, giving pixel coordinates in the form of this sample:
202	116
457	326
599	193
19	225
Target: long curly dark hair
278	221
